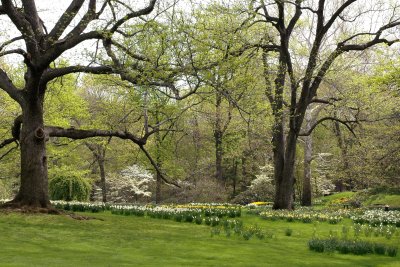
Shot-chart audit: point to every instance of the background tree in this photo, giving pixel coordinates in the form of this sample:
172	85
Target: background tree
281	21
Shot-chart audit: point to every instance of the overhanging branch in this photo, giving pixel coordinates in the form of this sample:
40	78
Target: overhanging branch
345	123
73	133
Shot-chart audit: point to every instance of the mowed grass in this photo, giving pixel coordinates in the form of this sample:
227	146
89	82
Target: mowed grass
112	240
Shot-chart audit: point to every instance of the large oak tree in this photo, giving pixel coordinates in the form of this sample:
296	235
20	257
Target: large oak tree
40	49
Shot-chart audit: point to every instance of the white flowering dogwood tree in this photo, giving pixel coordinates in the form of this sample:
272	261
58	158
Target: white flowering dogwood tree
130	183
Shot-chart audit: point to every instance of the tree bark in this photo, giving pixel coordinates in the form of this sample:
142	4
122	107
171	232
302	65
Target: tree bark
308	145
218	134
34	180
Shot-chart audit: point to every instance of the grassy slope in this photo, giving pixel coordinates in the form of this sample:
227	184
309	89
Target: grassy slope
385	199
44	240
391	200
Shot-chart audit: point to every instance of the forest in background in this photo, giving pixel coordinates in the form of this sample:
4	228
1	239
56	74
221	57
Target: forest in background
203	86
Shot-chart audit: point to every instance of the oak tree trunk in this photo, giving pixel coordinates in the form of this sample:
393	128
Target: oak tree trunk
33	191
284	156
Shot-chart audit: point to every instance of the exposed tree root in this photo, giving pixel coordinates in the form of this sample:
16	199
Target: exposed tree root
12	206
23	208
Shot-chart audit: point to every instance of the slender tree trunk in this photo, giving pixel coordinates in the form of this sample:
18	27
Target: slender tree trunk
158	188
34	181
159	163
101	162
341	142
308	145
218	134
235	175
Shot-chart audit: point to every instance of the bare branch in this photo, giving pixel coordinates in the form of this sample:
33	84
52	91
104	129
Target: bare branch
89	16
22	25
134	14
10	42
345	123
64	44
7	85
335	15
65	19
17	51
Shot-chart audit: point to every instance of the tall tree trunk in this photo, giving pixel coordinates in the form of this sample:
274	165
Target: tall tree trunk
308	145
34	181
218	134
159	141
278	143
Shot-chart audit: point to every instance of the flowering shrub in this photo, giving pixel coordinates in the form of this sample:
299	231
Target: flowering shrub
130	183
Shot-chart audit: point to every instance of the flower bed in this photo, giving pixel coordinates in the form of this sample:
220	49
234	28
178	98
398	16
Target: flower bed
305	215
209	214
378	217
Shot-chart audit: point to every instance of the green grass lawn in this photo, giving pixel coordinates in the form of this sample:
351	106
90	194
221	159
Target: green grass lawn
112	240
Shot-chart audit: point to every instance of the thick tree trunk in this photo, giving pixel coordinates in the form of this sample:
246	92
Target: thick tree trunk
306	194
278	143
33	191
285	187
